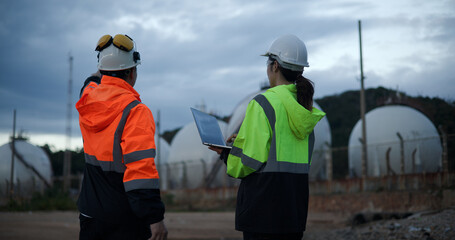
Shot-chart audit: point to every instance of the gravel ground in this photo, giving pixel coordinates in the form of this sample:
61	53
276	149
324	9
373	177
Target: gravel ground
425	225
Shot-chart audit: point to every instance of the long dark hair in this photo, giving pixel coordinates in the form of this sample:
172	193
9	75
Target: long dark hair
305	87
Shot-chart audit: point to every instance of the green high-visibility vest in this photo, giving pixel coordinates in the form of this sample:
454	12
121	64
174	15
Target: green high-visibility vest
275	136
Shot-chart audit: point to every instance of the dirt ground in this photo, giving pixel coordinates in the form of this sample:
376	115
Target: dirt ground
220	225
181	225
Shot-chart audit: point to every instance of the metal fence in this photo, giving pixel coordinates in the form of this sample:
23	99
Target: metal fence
405	165
421	162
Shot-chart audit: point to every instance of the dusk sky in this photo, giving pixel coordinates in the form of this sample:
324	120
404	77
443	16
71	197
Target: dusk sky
208	52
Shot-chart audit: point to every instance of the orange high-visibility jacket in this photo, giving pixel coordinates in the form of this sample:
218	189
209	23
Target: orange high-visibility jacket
120	180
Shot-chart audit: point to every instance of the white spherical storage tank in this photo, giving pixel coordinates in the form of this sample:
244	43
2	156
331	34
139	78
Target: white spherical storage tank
32	169
384	125
322	133
162	154
190	161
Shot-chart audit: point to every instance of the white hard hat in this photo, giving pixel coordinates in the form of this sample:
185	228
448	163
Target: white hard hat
290	52
113	58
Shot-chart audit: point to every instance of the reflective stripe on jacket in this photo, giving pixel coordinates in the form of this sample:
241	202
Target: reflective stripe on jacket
272	155
118	133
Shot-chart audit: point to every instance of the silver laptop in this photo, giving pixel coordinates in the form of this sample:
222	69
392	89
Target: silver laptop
209	130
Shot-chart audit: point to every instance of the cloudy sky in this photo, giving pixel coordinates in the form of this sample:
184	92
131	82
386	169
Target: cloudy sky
207	52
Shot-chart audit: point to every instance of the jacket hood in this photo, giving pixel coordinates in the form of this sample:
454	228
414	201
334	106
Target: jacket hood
99	107
301	121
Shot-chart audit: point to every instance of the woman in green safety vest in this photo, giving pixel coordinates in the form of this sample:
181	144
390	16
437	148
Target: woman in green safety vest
271	153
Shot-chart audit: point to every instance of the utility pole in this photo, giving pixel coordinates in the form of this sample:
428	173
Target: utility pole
13	149
362	115
67	156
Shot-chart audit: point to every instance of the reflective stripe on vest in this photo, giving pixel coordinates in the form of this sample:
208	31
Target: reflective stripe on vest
117	149
150	183
272	165
106	166
247	161
139	155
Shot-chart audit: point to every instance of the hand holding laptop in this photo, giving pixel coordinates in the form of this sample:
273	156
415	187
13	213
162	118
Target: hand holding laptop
229	140
232	138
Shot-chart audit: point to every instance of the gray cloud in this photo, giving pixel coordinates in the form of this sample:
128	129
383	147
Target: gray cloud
208	51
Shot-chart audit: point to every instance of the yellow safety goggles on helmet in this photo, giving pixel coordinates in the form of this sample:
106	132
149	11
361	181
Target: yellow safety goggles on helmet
123	42
120	41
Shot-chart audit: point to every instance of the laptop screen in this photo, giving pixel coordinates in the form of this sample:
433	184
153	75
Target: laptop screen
209	129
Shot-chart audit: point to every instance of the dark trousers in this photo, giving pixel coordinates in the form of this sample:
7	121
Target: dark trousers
94	229
272	236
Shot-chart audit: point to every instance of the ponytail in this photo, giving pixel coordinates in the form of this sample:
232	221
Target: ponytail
305	88
305	91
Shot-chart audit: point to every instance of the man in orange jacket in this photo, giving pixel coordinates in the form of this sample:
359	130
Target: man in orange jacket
120	195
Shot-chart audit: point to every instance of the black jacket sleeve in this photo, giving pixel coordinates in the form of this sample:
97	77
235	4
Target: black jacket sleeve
146	204
225	154
88	80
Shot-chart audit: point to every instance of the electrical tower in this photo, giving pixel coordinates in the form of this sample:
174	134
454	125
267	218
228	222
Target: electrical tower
67	156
